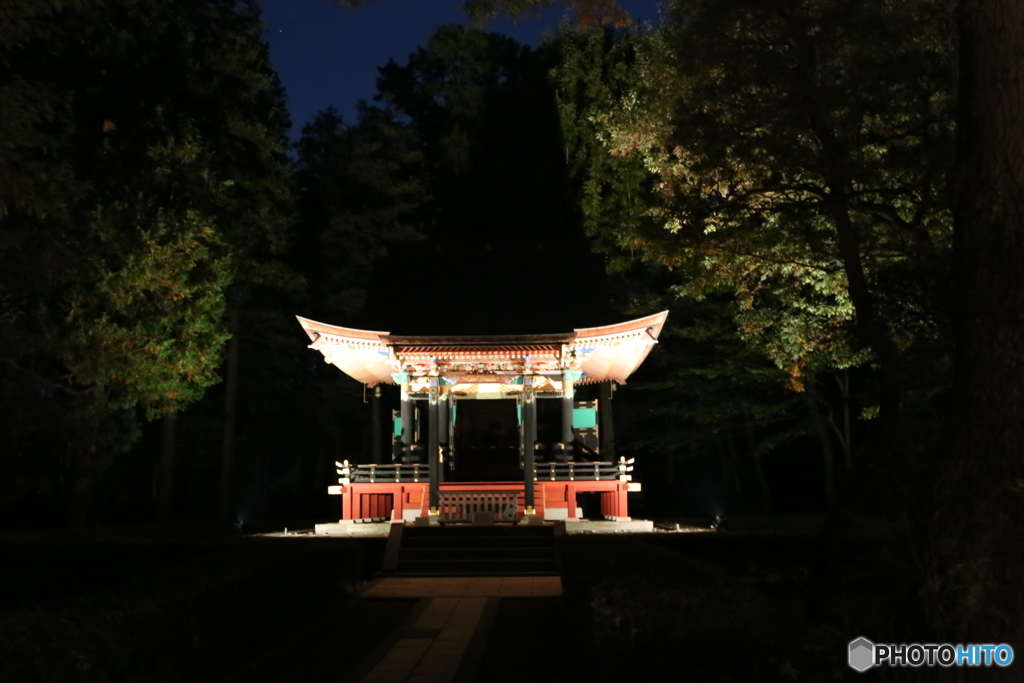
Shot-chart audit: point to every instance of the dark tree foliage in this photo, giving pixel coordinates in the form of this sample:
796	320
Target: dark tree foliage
972	591
716	394
587	12
461	147
482	112
359	187
163	127
770	151
615	192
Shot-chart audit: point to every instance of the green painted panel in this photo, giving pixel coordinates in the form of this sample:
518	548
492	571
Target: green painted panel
519	412
584	418
398	426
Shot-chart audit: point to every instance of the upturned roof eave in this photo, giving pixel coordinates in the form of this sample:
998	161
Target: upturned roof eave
370	368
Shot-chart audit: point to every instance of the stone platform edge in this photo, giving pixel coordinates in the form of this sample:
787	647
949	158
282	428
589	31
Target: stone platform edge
585	526
598	526
350	529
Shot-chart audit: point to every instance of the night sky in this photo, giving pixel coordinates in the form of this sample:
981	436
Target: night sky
328	55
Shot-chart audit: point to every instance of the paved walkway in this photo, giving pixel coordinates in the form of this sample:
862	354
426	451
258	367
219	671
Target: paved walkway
444	637
468	586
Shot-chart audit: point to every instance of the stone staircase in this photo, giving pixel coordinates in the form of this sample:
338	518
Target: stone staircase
465	550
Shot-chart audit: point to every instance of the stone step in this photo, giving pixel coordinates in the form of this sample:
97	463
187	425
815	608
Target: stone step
476	542
469	531
480	550
469	553
477	567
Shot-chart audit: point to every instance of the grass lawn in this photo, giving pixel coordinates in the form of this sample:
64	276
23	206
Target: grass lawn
148	607
191	604
715	607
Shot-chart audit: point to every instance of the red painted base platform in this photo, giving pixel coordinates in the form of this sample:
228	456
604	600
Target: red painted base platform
553	500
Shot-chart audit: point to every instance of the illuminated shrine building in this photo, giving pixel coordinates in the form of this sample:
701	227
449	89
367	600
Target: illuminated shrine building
493	420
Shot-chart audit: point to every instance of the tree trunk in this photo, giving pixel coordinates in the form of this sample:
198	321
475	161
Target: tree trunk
734	465
168	455
730	468
84	475
669	465
762	481
869	328
723	460
976	557
227	474
85	469
845	438
827	467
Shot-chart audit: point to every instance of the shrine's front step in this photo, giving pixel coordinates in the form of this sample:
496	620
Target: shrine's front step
464	536
448	567
476	551
490	530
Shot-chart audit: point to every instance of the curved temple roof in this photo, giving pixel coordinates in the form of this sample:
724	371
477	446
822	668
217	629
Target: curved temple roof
611	352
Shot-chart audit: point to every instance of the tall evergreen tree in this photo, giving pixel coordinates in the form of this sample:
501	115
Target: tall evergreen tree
115	293
483	113
975	556
594	70
359	187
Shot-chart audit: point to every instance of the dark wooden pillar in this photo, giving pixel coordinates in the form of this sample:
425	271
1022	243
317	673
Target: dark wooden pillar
375	424
568	394
529	441
449	421
406	415
604	405
444	419
433	447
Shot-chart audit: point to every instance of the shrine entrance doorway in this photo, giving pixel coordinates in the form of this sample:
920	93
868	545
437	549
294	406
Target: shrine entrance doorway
486	441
